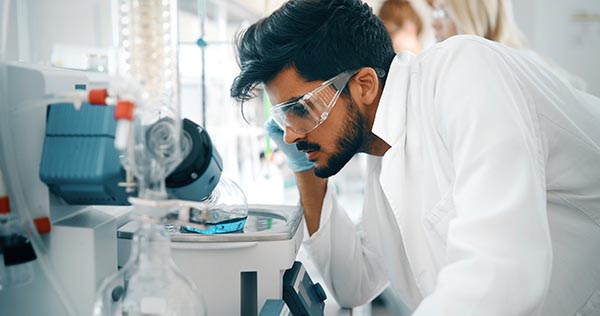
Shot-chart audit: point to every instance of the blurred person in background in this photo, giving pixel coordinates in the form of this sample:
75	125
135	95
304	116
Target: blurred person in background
403	24
494	20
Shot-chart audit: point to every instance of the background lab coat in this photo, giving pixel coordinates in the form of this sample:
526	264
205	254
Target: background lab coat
488	201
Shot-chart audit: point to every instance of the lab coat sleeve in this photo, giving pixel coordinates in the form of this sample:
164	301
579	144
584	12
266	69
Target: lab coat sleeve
498	251
350	270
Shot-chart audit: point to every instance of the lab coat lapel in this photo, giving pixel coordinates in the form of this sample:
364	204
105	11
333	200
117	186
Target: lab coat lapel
390	125
394	180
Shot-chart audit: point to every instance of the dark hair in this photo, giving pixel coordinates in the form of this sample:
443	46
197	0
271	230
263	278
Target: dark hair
319	38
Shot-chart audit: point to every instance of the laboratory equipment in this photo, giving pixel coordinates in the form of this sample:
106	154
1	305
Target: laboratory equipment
148	137
225	210
200	171
40	117
147	38
300	294
274	308
236	272
16	252
150	283
81	165
79	161
147	43
80	250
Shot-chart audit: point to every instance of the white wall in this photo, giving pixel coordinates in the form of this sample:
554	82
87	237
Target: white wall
8	30
36	26
566	31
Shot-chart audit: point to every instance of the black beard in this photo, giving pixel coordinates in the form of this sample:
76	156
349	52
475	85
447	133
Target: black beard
352	139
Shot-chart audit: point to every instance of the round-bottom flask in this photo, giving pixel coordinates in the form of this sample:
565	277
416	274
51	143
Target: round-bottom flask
226	211
149	283
227	202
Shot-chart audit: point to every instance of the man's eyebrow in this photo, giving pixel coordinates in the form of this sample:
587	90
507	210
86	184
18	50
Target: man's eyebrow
293	99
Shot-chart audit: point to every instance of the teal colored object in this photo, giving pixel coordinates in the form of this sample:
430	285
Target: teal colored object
201	42
274	308
79	160
229	226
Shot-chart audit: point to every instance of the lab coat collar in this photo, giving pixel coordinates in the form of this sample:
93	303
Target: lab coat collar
390	118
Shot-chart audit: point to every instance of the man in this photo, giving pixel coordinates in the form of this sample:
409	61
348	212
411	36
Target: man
483	189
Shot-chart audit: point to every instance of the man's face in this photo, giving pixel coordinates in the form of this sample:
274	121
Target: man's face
331	145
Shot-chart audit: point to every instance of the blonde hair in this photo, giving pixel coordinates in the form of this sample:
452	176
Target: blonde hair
492	19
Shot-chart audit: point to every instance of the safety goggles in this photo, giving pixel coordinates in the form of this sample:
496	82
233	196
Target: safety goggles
304	114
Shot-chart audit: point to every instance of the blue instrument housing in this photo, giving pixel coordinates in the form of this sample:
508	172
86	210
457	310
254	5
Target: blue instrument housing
79	160
80	163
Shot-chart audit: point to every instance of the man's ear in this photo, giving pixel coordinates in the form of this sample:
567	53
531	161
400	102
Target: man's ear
366	85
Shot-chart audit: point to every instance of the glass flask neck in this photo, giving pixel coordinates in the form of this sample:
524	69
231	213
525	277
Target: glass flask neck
150	283
155	190
152	246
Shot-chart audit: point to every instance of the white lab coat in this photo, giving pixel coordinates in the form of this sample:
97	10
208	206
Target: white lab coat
488	201
575	81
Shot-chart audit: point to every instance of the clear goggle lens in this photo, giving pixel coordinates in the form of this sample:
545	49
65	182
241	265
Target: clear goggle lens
306	114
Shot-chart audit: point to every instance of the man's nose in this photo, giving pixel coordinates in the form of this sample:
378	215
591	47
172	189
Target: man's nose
290	136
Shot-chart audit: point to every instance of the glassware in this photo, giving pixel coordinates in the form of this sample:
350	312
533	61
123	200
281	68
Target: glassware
149	283
148	59
148	46
226	211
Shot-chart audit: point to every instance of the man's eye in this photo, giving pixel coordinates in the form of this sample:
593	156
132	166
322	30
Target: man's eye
299	110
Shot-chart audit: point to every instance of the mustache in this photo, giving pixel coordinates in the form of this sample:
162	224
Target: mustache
302	145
